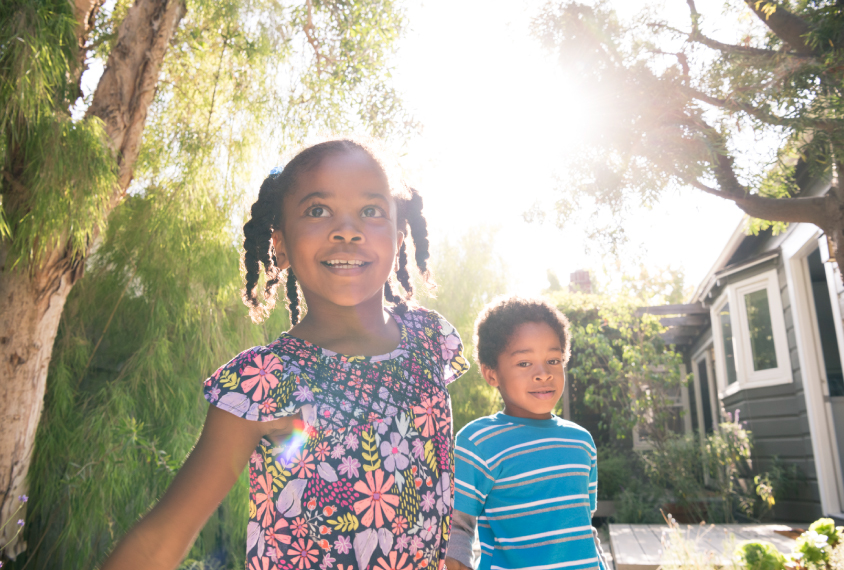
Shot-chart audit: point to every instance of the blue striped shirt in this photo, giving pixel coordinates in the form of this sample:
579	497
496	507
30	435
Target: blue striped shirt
532	484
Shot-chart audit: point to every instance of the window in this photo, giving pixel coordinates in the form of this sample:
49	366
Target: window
676	412
751	348
727	336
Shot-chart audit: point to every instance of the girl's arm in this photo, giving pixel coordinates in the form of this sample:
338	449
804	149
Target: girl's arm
162	538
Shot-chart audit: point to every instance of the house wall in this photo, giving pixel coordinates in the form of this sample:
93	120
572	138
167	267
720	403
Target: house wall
776	416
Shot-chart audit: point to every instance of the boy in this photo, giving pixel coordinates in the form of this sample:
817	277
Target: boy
527	478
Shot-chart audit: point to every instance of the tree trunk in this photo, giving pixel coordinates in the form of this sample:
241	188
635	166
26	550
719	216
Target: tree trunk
30	309
32	299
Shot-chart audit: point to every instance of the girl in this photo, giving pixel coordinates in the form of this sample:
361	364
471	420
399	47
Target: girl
344	419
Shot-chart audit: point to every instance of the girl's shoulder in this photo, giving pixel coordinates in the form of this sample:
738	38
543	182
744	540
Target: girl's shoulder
260	382
443	338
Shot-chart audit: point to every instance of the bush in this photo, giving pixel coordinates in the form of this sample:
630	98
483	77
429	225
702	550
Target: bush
640	502
759	556
616	468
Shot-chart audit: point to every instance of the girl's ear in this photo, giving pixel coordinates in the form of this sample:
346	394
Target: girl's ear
489	375
399	240
281	260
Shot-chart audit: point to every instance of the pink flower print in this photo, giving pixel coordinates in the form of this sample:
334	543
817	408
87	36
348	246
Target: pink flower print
349	467
426	415
415	545
302	554
338	451
327	561
394	564
402	542
443	494
429	527
352	441
449	347
428	501
214	394
396	453
277	535
268	406
262	563
303	393
303	464
322	450
377	503
299	526
419	449
260	374
343	544
256	459
399	524
263	496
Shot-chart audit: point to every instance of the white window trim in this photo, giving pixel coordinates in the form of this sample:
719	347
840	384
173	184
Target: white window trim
643	443
746	376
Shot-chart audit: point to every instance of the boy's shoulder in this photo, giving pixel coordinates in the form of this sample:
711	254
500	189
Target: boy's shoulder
474	432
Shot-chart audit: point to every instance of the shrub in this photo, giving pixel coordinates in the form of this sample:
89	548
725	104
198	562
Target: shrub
759	555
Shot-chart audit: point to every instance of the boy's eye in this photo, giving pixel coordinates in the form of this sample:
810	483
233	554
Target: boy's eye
554	361
317	212
523	364
372	212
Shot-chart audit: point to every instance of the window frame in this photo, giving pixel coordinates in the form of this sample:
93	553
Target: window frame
746	376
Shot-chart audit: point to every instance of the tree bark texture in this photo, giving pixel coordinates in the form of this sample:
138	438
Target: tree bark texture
32	298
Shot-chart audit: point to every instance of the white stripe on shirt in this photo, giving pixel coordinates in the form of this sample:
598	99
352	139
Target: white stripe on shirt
535	503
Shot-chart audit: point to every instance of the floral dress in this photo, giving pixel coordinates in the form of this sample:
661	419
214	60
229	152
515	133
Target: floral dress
365	481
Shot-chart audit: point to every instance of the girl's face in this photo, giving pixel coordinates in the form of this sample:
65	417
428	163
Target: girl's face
339	231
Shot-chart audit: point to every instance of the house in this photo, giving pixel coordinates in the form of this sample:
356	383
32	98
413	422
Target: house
762	337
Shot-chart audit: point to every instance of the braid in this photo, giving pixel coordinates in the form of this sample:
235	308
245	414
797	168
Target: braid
292	297
402	273
257	250
390	295
412	210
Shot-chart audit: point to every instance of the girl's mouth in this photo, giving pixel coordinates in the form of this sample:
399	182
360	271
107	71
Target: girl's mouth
345	263
543	394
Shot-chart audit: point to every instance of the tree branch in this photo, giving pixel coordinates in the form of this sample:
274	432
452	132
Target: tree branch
787	26
812	210
735	106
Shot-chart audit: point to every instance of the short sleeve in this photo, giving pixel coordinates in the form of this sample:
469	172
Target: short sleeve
255	386
451	348
472	478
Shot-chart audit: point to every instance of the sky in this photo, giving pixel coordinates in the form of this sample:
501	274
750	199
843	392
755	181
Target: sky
498	116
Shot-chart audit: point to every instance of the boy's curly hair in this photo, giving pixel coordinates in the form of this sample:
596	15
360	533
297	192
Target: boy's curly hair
500	318
267	216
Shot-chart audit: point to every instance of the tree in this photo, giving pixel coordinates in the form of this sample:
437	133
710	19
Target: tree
469	275
161	152
674	106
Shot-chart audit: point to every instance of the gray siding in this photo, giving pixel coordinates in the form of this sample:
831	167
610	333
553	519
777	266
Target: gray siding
776	416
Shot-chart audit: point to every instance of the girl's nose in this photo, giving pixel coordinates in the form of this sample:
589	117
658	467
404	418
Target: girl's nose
347	231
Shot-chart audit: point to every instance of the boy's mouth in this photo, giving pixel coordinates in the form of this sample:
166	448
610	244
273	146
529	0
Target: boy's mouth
543	394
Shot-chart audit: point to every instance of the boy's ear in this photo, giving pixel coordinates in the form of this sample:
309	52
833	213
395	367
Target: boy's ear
490	375
281	260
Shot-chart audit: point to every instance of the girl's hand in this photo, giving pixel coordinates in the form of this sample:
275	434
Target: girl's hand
454	564
163	537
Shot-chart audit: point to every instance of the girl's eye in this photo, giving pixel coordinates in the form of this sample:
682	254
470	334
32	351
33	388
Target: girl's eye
372	212
317	212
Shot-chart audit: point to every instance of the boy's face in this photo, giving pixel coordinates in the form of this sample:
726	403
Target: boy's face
529	374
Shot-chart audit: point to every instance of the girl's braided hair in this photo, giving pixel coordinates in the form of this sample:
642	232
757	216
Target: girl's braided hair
267	216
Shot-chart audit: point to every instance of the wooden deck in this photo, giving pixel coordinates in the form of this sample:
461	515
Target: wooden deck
639	546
